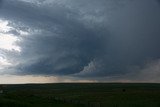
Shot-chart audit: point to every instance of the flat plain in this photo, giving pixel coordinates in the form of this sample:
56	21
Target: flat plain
81	95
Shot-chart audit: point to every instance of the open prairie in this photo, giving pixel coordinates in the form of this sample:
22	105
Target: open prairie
81	94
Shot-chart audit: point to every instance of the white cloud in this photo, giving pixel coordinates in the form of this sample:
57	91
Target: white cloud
7	42
91	69
4	63
4	26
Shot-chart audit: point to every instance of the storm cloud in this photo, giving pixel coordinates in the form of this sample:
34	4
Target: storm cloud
95	39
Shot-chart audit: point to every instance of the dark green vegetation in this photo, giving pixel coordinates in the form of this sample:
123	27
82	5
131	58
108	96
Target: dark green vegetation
81	95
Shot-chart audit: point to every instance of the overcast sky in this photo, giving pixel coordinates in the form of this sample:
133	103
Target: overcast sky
79	41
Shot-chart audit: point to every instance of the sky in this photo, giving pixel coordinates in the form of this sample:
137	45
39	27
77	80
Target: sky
50	41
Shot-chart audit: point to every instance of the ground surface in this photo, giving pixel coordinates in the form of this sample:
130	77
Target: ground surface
78	95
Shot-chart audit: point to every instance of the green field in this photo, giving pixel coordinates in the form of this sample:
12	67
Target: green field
81	95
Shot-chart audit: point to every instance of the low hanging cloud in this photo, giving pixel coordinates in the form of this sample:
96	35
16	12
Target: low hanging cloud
82	39
150	72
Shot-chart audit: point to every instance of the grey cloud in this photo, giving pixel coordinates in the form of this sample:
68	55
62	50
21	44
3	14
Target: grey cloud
1	1
150	72
77	44
84	38
74	48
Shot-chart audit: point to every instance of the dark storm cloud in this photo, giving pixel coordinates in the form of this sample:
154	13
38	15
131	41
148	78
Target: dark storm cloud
84	38
64	45
1	2
62	55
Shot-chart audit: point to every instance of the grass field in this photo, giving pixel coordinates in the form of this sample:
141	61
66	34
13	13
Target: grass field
81	95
